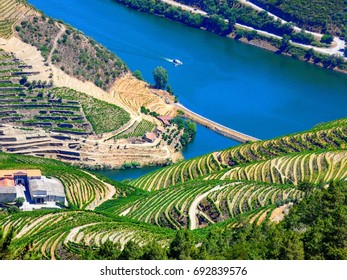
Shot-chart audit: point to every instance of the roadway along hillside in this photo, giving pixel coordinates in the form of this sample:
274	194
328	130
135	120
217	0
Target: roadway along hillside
335	50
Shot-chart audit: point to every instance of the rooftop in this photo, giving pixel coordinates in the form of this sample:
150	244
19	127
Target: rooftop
28	172
52	187
150	136
160	128
6	182
165	119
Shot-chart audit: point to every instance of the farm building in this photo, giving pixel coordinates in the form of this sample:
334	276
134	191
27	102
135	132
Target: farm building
38	187
149	137
166	120
7	189
159	130
21	177
45	189
8	194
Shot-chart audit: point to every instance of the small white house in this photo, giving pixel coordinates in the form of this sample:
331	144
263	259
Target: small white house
8	194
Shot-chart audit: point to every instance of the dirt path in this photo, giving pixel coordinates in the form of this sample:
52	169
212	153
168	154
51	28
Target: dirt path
283	176
55	42
111	192
193	207
338	43
54	247
277	214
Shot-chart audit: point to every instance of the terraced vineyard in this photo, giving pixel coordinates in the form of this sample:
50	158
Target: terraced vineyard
304	167
103	116
10	12
137	130
82	190
57	235
6	28
254	184
136	94
37	104
198	203
329	136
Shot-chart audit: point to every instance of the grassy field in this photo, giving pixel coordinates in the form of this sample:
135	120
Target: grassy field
103	116
138	131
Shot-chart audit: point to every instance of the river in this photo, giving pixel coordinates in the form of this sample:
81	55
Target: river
246	88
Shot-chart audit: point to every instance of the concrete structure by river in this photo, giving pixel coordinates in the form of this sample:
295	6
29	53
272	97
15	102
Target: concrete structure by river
221	129
237	85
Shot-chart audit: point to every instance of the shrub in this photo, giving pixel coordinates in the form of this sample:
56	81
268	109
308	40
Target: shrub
327	39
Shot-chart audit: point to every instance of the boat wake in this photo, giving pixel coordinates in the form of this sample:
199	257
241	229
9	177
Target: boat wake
168	59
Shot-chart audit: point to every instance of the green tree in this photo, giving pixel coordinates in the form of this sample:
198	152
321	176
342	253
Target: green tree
322	220
107	251
23	80
169	89
138	75
183	246
310	53
131	251
327	39
153	251
19	201
160	77
216	24
285	43
231	22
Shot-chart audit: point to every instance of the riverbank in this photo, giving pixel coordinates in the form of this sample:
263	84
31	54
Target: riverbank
104	143
272	45
234	84
197	18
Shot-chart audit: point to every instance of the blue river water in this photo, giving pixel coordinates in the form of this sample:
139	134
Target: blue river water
246	88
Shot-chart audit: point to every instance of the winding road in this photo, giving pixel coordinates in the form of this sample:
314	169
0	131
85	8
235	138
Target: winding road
193	209
334	50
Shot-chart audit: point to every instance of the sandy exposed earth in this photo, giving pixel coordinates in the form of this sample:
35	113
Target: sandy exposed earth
135	93
29	55
127	93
